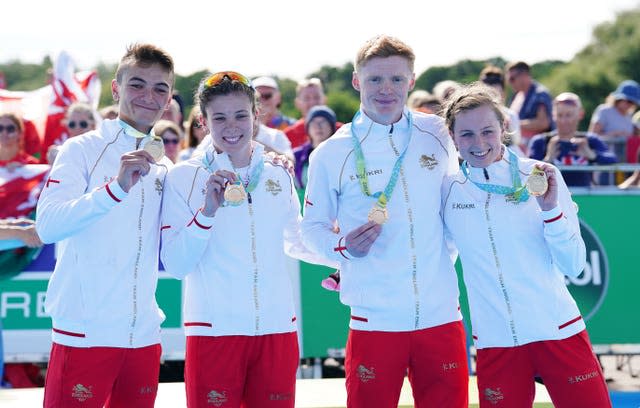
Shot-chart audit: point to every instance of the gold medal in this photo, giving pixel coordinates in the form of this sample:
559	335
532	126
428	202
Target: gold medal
155	147
537	183
234	194
378	214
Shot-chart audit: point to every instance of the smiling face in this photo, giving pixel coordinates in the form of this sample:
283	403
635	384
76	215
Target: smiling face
477	134
230	119
143	94
384	84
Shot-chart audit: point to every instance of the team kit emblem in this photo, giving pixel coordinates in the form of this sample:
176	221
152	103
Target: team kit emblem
216	398
273	187
81	393
430	162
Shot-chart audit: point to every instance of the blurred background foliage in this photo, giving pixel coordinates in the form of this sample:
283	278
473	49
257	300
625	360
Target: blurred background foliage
612	55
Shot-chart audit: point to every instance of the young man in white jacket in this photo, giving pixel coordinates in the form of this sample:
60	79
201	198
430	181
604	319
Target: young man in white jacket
229	215
378	180
516	228
101	204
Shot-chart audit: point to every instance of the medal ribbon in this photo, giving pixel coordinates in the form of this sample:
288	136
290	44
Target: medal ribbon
361	168
131	131
518	191
254	178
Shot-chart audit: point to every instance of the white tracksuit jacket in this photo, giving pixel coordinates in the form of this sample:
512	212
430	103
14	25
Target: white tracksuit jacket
102	291
234	263
407	281
514	258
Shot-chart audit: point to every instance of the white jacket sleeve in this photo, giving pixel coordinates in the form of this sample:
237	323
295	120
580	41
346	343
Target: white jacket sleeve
293	245
562	233
320	211
64	206
185	235
445	189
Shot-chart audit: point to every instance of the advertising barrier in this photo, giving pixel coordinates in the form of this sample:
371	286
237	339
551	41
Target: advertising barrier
604	292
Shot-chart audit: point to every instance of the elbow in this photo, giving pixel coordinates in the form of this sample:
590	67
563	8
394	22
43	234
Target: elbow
174	268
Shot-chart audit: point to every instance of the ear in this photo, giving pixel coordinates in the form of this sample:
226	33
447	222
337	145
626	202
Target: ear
453	139
168	104
412	81
115	91
355	81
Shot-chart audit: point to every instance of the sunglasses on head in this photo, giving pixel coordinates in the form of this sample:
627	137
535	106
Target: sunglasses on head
8	128
218	77
170	141
83	124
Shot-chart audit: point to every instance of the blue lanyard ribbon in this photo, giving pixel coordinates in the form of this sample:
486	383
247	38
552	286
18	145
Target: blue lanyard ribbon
131	131
517	190
361	168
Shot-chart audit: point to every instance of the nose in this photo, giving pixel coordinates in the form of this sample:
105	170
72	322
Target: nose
387	86
232	130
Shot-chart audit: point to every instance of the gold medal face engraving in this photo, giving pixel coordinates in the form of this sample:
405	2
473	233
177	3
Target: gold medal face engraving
378	215
155	147
537	183
234	194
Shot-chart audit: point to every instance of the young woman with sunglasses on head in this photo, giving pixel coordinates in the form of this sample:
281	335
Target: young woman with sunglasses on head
517	231
228	218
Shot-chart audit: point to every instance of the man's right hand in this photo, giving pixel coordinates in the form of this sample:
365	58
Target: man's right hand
359	241
133	165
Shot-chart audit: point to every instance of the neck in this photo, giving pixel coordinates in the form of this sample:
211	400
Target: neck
566	135
8	152
140	128
241	158
385	121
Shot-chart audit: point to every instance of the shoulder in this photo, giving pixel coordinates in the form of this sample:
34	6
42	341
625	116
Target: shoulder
185	170
526	164
296	127
541	138
429	124
433	127
541	89
339	144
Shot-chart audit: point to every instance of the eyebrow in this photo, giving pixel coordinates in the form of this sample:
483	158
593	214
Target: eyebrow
142	80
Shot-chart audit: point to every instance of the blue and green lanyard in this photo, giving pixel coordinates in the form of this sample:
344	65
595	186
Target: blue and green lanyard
361	168
253	179
517	192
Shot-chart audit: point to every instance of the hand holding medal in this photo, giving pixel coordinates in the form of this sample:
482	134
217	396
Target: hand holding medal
537	184
215	190
543	184
155	147
234	193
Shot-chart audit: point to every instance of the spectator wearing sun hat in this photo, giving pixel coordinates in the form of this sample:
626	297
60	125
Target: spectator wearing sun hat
320	123
270	99
612	120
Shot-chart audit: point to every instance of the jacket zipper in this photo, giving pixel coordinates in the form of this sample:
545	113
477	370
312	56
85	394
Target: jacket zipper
503	288
412	241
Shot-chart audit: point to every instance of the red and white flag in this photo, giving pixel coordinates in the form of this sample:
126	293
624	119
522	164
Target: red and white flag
44	108
20	188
